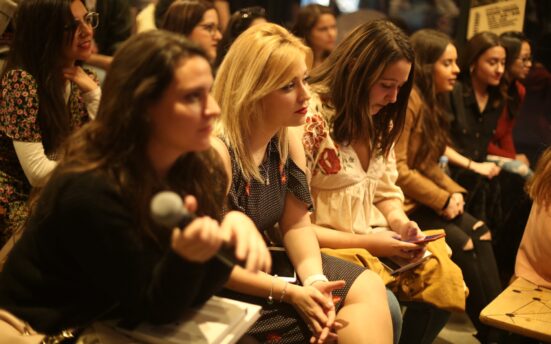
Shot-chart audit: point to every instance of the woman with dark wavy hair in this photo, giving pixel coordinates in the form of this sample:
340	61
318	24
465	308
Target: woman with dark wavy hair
494	196
45	96
355	116
476	102
501	149
433	199
90	250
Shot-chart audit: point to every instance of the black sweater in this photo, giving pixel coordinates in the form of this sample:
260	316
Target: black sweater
85	260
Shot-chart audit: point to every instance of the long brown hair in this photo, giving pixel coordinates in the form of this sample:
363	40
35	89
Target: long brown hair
475	47
539	187
307	17
183	15
347	75
114	144
429	45
512	42
43	30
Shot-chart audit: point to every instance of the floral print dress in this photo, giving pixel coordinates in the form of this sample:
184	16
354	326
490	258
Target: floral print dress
19	104
345	195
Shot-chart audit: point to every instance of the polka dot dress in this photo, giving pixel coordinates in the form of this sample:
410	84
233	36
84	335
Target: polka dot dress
263	202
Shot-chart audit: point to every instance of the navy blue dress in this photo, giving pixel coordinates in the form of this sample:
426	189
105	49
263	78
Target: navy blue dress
264	202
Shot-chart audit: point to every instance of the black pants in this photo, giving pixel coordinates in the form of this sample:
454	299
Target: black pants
504	206
478	265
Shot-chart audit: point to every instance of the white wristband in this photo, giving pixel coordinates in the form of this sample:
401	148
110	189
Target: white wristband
314	278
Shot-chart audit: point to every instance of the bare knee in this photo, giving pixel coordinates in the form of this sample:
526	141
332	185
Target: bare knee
477	225
367	286
486	236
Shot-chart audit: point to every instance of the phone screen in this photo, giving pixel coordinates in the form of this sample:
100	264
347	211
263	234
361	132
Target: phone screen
281	264
428	238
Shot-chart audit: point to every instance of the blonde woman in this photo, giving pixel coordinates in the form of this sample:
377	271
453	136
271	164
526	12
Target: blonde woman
261	88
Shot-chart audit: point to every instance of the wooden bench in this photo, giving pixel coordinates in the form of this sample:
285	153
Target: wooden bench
522	308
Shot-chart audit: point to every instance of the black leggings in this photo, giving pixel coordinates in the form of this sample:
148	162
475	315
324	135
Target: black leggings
478	264
502	204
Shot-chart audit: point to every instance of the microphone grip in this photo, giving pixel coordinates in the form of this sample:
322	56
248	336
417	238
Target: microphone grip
225	254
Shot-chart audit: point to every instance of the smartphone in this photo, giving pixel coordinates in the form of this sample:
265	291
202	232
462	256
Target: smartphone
426	239
281	264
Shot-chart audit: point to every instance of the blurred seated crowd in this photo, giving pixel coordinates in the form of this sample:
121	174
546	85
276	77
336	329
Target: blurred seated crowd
342	133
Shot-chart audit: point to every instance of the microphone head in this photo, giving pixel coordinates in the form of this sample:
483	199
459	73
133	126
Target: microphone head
167	209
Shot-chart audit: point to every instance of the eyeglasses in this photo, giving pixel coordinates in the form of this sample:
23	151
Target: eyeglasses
210	28
91	20
525	59
255	11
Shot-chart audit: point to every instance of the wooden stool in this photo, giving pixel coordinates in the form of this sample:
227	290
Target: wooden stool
522	308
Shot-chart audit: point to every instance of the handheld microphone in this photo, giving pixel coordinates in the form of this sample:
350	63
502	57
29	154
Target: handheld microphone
167	210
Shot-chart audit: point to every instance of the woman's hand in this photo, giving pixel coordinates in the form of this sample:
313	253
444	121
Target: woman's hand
83	81
315	305
410	231
523	158
455	207
199	241
389	244
460	201
488	169
250	247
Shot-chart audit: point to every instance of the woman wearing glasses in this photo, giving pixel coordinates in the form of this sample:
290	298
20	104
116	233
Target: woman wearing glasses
501	149
197	20
45	96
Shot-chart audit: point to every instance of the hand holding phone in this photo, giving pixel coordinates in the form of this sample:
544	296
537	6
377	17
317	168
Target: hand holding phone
426	239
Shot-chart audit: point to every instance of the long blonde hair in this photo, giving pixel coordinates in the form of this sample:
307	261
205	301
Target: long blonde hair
539	187
261	60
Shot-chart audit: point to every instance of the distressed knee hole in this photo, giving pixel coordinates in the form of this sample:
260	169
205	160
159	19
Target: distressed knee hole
486	236
477	225
469	245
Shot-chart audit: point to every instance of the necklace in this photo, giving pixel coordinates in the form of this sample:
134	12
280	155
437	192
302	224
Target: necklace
266	168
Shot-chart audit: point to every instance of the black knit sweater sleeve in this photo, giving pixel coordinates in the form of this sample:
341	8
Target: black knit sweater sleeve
86	260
